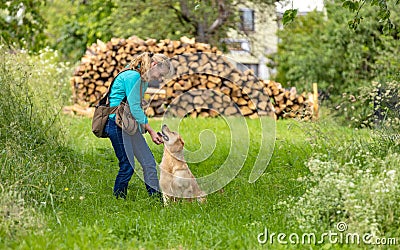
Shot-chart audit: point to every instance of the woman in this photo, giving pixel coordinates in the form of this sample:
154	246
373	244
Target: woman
145	67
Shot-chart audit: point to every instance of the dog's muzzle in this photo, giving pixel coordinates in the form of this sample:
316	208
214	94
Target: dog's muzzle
164	136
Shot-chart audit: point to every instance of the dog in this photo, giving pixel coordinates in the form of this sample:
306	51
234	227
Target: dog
176	180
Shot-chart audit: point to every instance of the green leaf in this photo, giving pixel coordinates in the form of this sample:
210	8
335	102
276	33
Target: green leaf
374	2
353	24
384	15
289	16
388	27
350	5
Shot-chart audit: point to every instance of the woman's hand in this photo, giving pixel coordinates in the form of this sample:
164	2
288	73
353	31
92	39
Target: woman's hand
154	136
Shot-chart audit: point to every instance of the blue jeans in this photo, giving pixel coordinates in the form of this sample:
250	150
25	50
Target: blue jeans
126	147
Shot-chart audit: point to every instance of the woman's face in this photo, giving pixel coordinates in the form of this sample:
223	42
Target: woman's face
156	72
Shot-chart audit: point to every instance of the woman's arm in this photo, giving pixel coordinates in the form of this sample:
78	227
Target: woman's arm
154	136
132	87
132	83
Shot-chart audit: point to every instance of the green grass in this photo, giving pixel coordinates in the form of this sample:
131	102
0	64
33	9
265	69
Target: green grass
56	177
86	216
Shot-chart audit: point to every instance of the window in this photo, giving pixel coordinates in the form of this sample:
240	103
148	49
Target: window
247	66
246	19
237	46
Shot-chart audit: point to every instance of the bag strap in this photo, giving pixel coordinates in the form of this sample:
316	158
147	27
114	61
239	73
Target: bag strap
104	101
141	95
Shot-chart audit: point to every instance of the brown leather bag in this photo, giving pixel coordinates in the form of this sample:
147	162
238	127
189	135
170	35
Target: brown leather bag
99	119
123	115
124	118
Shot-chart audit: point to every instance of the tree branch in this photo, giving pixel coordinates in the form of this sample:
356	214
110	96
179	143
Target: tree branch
223	14
183	14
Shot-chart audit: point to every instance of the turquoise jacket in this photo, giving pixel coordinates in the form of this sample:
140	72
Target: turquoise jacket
128	84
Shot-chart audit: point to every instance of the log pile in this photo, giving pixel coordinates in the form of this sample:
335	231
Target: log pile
288	103
205	84
102	61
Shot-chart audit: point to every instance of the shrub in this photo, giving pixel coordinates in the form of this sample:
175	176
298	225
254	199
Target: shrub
377	105
320	48
358	184
33	156
22	24
15	217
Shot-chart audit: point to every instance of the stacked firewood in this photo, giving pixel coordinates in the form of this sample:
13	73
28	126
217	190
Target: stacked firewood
205	82
288	103
102	61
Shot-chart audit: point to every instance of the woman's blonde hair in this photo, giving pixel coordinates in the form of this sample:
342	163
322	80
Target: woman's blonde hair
142	64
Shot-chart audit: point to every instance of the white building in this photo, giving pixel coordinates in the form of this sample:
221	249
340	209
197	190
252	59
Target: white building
257	38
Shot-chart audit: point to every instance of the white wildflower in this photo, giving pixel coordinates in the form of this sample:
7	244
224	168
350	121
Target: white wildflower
391	173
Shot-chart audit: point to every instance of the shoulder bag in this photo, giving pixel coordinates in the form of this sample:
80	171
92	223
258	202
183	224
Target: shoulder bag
123	115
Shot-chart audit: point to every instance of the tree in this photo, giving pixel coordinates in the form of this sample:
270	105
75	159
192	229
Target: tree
206	20
210	20
89	21
384	11
22	24
72	31
148	19
322	49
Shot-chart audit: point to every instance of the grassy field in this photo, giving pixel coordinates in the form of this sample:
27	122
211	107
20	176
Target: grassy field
90	217
56	178
87	216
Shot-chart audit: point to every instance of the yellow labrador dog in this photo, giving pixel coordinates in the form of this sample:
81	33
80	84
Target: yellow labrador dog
176	179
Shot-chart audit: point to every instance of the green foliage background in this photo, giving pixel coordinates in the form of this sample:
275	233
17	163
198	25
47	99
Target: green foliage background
73	26
23	27
318	47
322	49
80	25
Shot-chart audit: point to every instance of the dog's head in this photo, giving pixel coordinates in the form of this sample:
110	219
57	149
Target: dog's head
172	140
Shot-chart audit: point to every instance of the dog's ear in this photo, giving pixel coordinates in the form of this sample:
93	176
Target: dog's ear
182	142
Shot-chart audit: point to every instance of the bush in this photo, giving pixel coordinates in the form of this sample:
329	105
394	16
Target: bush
321	48
22	24
15	217
376	106
358	185
33	156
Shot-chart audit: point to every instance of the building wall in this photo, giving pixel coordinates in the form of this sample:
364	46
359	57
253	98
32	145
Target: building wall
261	42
